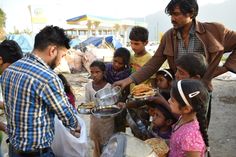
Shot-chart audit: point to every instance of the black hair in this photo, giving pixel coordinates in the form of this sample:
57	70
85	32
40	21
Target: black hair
10	51
194	63
166	75
139	33
101	65
65	83
186	6
198	102
164	110
51	35
124	54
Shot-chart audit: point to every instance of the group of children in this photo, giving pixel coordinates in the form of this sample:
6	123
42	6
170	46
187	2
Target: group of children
178	112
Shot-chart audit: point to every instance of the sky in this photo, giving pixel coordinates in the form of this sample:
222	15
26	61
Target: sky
57	11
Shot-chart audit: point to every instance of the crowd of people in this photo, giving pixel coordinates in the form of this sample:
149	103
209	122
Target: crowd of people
33	94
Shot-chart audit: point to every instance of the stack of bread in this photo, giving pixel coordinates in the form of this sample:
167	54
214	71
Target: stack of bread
142	91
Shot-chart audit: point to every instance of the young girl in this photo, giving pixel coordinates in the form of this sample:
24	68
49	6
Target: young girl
115	71
189	135
68	90
164	78
119	68
100	129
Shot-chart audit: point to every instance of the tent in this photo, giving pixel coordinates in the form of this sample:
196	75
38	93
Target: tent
25	41
97	41
75	42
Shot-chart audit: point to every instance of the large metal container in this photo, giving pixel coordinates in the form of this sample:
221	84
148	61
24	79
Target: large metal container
107	96
124	145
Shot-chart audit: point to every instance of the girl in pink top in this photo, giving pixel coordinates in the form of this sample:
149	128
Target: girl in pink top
189	136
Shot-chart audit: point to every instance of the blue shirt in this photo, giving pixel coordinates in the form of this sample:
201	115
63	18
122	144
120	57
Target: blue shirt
33	94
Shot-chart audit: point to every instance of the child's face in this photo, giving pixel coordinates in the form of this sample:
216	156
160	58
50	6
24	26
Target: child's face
174	106
162	82
138	46
181	74
159	119
151	111
118	64
96	74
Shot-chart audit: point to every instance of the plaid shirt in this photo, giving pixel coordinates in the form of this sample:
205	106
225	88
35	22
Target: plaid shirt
194	46
33	94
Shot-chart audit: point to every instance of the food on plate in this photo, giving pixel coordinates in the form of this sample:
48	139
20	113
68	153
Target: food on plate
142	90
88	105
159	146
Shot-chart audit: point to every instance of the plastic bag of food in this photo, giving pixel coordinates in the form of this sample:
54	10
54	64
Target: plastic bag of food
65	144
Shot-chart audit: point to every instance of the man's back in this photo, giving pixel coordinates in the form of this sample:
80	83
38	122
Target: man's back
29	96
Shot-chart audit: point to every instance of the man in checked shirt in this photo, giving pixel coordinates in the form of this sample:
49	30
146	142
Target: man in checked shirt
33	94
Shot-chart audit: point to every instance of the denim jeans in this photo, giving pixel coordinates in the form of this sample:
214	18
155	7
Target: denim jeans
13	153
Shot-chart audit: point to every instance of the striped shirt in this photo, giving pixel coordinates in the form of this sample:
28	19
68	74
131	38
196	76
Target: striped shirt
33	94
194	46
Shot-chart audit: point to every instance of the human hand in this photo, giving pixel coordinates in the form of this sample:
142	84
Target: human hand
123	83
76	132
151	98
3	127
121	105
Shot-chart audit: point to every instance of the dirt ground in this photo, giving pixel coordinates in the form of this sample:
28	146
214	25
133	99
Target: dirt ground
222	133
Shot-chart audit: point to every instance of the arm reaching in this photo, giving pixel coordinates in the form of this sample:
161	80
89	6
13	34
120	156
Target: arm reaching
123	83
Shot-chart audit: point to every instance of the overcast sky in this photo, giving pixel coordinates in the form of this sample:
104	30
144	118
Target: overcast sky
57	11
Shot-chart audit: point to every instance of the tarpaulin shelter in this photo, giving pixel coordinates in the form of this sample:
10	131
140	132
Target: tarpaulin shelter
96	41
25	41
74	42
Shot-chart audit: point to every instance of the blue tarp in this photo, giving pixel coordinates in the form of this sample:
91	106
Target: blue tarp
74	42
25	41
96	41
114	41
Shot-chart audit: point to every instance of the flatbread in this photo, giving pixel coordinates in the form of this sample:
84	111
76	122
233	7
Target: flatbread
144	95
159	146
88	105
142	91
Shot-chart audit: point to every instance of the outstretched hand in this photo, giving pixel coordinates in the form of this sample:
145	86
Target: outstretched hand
123	83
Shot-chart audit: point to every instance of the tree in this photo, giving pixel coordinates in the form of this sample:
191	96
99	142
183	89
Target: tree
2	24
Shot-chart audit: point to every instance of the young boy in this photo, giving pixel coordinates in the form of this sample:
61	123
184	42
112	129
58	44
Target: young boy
192	65
138	40
162	120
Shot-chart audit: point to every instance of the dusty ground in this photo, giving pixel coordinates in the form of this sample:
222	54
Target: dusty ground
222	126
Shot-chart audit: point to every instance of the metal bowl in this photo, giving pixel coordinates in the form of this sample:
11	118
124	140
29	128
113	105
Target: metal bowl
106	111
107	96
124	145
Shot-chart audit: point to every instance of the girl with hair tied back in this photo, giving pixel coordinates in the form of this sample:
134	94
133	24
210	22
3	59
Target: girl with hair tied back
189	134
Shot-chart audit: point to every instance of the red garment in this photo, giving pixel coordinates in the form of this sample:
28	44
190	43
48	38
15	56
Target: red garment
71	99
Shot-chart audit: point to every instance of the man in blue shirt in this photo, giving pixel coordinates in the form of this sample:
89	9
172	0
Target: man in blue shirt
33	94
10	52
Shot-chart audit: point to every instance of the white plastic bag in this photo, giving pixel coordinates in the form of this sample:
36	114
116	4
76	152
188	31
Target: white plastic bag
65	144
